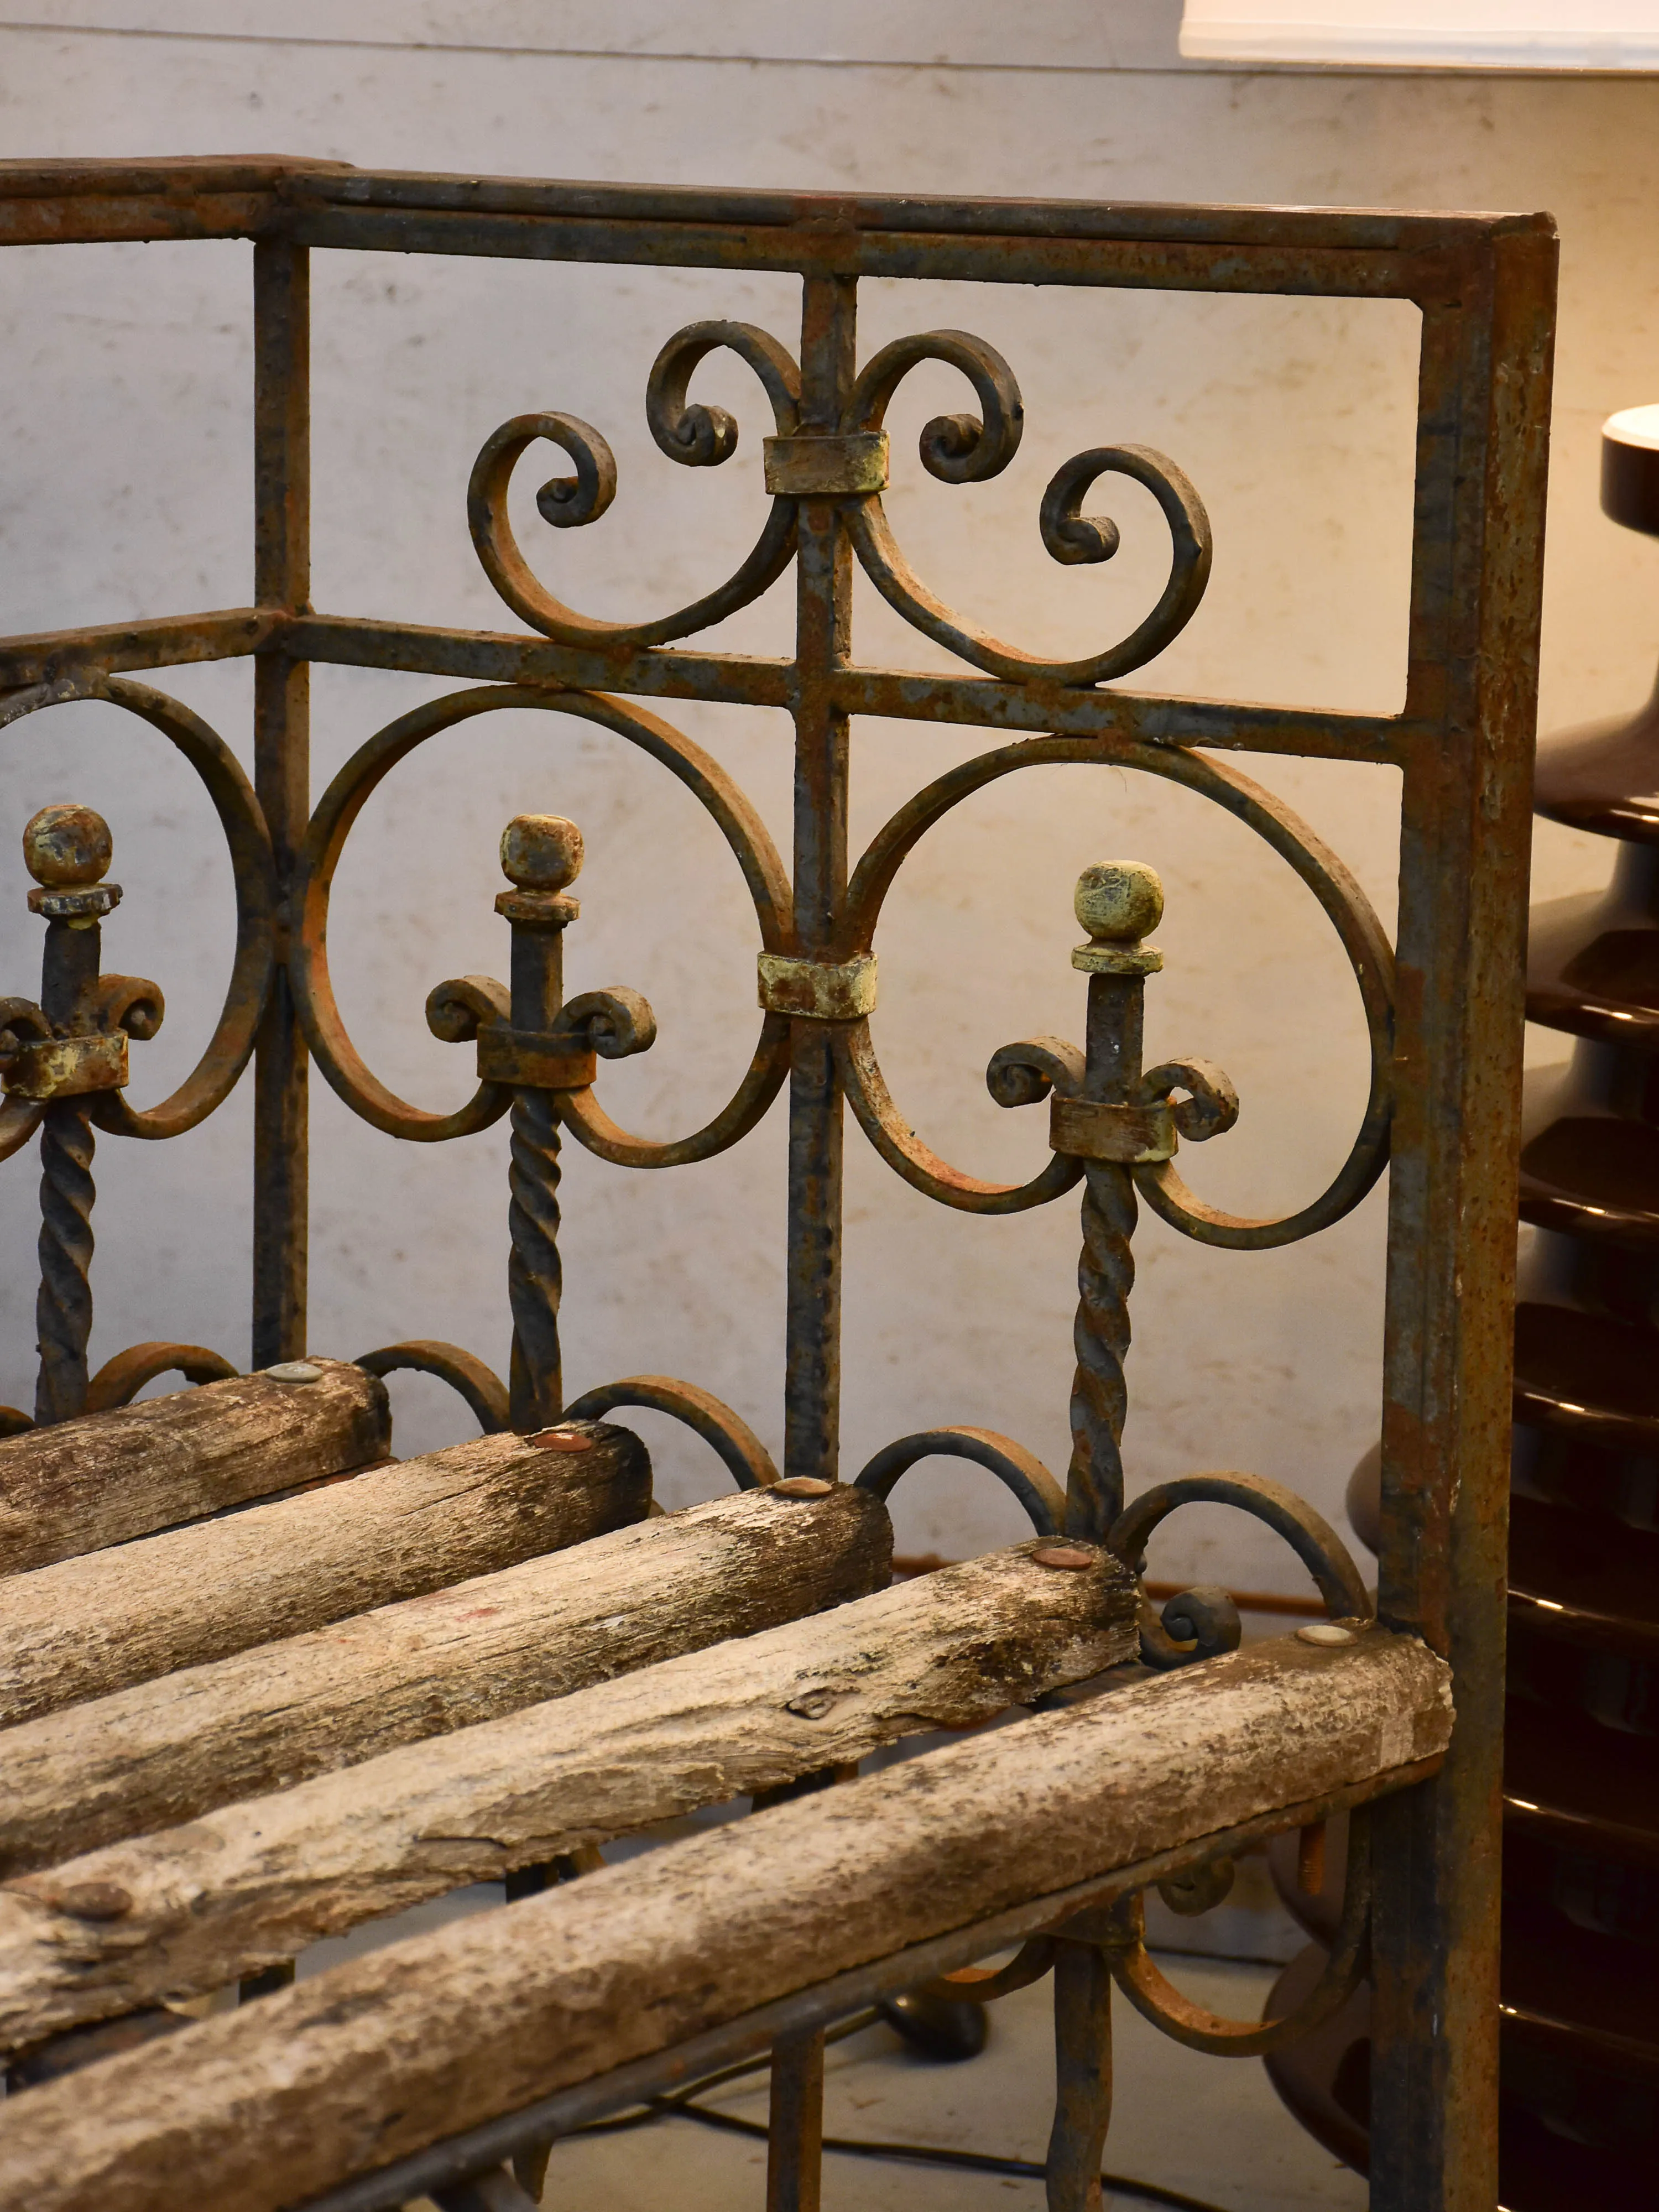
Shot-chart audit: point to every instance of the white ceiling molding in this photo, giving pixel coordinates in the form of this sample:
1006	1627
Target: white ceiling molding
1500	34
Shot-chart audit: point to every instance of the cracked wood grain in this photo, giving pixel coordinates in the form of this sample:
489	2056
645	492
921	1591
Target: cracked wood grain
165	1751
265	2107
87	1627
192	1909
105	1477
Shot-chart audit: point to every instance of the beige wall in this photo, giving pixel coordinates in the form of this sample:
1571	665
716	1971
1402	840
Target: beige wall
124	489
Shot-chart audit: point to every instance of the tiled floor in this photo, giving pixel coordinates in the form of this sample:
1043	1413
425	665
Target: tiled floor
1210	2127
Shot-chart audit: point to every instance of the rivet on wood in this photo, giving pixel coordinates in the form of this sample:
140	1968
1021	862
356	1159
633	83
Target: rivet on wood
94	1900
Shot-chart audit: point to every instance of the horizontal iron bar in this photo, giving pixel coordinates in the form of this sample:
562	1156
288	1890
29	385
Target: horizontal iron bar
189	182
892	693
822	246
899	695
110	647
494	2141
1377	229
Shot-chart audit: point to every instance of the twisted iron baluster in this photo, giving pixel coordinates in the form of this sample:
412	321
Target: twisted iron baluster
1100	1337
67	849
1115	903
63	1307
540	854
535	1276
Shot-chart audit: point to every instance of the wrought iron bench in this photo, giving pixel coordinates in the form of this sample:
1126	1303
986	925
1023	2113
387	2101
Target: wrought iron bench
639	1672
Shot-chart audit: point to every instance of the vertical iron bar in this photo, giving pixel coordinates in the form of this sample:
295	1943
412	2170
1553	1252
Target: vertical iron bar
1464	839
823	637
794	2163
63	1305
1115	901
1105	1271
535	1277
281	776
1082	2076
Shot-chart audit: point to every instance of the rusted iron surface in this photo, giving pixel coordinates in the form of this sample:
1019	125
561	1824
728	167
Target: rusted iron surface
1444	1024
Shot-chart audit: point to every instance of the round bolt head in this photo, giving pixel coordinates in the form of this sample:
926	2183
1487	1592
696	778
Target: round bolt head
802	1486
559	1440
1118	900
1063	1555
293	1370
67	845
541	852
1326	1631
94	1900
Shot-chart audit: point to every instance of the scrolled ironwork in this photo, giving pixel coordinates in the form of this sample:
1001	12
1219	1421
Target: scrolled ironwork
985	1984
1156	1999
962	449
1018	1470
19	1120
890	1131
1035	1068
694	435
614	1023
1196	1624
331	823
702	437
119	1380
131	1003
1210	1106
253	870
1333	884
1459	742
1200	1889
481	1387
745	1458
457	1010
957	449
1307	1532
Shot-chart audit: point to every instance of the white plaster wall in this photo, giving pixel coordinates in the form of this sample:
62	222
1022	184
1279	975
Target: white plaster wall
124	489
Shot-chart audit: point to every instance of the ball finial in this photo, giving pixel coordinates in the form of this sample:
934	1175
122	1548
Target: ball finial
66	847
541	852
1118	901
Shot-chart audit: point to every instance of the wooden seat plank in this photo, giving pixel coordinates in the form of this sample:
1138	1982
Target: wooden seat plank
165	1751
341	2075
194	1908
87	1627
106	1478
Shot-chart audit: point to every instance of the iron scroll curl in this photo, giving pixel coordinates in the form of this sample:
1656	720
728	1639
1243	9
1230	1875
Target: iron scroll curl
253	870
968	449
1021	1074
337	810
694	435
1019	1471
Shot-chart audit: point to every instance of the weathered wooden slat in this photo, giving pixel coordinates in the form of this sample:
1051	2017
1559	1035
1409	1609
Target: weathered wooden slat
194	1908
165	1751
106	1478
87	1627
267	2106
